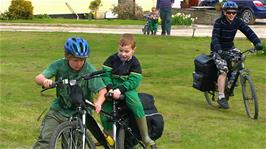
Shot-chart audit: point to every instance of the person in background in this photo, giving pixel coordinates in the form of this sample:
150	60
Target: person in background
165	9
223	34
153	20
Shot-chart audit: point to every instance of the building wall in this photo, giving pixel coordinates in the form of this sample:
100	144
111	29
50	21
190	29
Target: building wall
79	6
59	6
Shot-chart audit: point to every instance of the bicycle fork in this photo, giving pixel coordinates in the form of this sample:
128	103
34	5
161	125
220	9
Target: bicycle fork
114	120
84	129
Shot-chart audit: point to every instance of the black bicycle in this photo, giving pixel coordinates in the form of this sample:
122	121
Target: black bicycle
146	29
237	69
73	134
125	133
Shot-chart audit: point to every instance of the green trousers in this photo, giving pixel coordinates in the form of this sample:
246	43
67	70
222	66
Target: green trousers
153	25
133	102
51	120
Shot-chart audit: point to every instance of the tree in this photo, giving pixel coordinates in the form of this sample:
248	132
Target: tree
128	9
94	6
20	9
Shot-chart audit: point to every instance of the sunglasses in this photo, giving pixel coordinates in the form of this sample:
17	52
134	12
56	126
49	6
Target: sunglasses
229	12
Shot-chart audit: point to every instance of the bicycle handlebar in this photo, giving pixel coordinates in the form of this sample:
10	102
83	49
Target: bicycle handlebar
252	50
73	82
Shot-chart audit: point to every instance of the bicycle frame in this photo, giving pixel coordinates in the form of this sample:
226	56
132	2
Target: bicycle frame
116	120
240	70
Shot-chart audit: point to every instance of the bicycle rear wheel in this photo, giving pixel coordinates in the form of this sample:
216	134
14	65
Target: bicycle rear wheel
211	98
249	97
68	135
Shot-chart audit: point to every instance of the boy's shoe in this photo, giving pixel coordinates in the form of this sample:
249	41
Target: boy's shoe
223	103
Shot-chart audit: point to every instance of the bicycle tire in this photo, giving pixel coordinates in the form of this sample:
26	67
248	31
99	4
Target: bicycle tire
249	97
120	139
211	98
69	132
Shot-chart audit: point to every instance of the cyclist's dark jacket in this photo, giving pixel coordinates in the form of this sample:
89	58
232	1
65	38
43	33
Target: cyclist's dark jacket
223	33
125	75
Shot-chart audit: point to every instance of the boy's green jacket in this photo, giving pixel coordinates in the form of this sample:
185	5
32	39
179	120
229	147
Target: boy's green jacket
125	75
61	70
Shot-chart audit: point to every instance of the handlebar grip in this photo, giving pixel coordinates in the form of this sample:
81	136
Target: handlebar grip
53	85
109	95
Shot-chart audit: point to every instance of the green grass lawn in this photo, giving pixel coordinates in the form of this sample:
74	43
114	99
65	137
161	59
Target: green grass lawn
167	69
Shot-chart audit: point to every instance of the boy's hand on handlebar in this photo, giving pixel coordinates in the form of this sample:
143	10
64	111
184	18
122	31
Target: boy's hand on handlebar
98	107
116	94
47	83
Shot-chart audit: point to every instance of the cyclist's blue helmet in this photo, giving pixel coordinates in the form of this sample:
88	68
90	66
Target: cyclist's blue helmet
230	5
77	47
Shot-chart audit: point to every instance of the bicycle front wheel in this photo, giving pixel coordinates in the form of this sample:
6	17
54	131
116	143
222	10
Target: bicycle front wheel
68	135
120	139
249	97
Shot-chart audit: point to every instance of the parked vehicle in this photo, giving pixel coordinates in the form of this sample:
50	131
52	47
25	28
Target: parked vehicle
250	10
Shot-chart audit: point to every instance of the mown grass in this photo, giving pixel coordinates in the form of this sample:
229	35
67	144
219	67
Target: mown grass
167	69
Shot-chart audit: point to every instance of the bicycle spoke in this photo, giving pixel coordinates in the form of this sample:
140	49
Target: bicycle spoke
69	136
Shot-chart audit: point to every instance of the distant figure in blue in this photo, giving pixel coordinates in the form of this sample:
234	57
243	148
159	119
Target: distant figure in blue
165	9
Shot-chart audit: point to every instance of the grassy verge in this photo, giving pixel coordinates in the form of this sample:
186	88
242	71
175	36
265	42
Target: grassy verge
167	69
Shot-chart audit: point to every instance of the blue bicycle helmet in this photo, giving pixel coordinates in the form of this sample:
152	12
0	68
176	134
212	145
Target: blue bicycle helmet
77	47
230	5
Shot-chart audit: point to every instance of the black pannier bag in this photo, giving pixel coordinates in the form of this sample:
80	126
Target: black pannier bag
155	120
205	73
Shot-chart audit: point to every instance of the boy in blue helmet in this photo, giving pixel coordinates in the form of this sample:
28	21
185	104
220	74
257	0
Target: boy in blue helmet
72	66
223	34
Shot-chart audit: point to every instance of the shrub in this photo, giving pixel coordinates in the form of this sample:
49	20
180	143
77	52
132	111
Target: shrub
43	16
125	10
20	9
182	19
5	16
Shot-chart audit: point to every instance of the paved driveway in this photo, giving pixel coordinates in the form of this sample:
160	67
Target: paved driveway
197	30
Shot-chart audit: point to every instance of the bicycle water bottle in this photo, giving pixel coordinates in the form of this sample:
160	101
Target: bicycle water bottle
108	138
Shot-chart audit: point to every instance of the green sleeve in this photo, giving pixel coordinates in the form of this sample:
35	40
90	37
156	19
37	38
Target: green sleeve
50	71
132	82
107	77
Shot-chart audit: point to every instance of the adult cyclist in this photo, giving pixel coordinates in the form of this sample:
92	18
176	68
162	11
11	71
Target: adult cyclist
223	34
